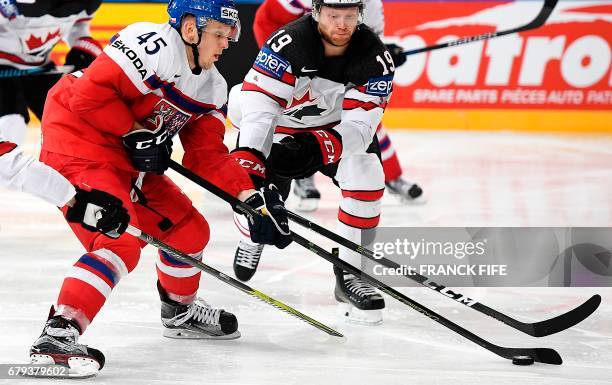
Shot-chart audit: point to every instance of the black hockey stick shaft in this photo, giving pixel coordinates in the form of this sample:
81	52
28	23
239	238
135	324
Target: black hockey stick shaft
540	19
537	329
544	355
44	70
230	281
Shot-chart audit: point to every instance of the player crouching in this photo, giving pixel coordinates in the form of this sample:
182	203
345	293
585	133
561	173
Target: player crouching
111	127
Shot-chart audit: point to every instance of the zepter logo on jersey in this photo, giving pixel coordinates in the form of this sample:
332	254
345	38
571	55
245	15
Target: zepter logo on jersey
271	63
229	13
381	86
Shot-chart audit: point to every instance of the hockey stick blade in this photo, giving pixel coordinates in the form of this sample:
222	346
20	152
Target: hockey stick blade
537	329
560	322
231	281
543	355
540	19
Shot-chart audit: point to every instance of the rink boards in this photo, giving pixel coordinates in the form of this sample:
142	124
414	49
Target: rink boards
554	78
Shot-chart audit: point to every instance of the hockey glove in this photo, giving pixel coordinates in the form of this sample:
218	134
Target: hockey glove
397	54
83	53
272	227
150	149
300	154
97	210
253	162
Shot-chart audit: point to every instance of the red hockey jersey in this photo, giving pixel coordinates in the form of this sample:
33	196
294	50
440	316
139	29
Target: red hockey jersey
143	72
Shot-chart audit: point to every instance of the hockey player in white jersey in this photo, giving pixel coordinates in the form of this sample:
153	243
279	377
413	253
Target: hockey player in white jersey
28	32
311	103
271	16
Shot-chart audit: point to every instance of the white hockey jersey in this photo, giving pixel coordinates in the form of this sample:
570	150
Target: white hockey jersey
293	86
26	40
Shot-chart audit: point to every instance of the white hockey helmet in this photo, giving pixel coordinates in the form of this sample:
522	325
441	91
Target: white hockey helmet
317	4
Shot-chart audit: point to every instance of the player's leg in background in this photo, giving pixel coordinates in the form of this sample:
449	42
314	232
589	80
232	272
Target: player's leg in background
307	194
396	184
90	281
35	91
13	110
361	179
167	214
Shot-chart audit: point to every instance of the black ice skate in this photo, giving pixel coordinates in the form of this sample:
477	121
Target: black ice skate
58	344
359	301
246	260
307	194
197	320
407	191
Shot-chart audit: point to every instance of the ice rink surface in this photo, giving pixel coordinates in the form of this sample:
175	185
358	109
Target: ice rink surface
470	179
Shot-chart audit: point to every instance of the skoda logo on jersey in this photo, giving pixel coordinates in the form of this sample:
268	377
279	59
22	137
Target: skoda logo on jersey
271	63
229	13
381	86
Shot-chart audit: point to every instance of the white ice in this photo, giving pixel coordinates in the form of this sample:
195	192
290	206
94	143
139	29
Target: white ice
469	178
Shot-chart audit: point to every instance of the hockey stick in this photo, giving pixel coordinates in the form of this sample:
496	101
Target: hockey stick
44	70
230	281
543	355
540	19
537	329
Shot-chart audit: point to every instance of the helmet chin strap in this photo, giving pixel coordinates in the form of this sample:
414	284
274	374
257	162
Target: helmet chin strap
196	55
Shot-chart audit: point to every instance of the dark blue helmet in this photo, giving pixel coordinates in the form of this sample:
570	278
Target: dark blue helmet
223	11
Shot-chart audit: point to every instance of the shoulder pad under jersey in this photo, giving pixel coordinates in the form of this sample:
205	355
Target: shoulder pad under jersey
369	61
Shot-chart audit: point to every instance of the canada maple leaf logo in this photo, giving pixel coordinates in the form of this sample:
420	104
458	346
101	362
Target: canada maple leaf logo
34	42
296	101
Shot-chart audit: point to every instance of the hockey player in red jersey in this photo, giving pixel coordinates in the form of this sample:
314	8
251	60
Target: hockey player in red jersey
28	32
111	127
273	14
311	103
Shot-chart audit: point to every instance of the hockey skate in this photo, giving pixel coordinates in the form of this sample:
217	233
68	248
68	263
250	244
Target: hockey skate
58	345
359	302
307	194
408	192
246	259
197	320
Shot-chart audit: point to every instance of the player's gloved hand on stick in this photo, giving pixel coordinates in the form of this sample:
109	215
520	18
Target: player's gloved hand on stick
97	210
397	54
272	227
150	147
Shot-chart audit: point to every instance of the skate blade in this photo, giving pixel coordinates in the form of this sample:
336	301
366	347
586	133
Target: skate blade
185	334
307	204
359	317
44	366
